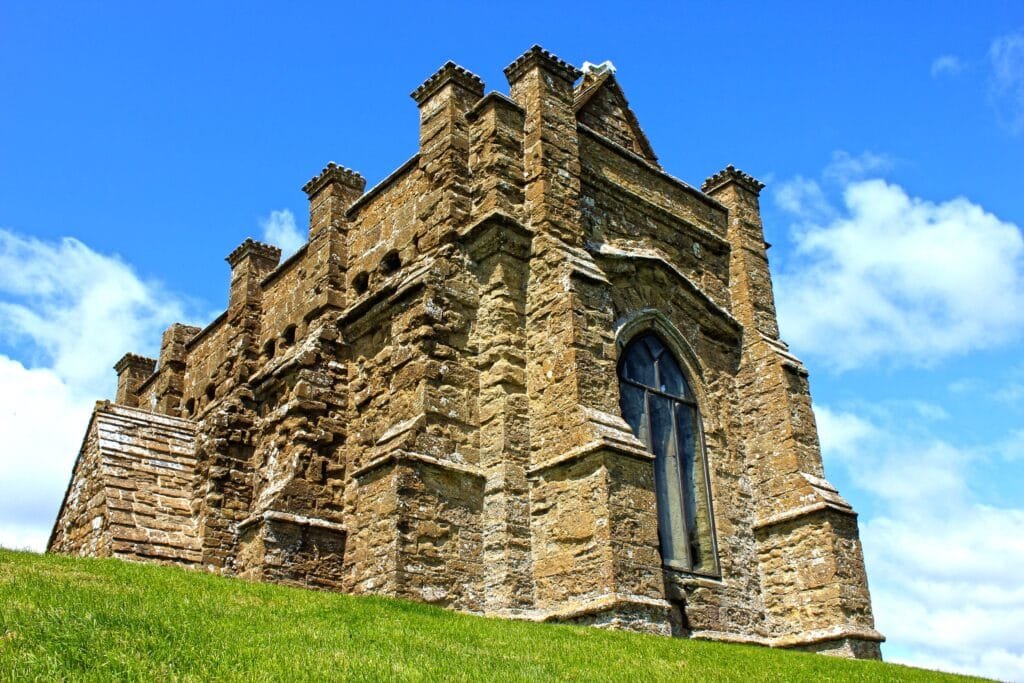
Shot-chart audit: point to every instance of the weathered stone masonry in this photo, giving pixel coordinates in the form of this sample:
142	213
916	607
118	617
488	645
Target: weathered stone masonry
423	401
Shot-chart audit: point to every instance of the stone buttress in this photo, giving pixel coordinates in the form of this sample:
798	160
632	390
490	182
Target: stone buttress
423	401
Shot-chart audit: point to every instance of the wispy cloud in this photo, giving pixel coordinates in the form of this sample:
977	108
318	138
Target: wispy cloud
76	311
944	566
1006	58
67	313
845	168
946	65
280	230
879	275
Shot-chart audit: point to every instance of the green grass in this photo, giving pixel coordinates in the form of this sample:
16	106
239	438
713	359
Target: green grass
82	619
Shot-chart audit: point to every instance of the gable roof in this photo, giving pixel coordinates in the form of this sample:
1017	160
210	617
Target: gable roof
601	105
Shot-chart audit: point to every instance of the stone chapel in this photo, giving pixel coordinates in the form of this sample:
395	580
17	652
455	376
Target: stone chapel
529	374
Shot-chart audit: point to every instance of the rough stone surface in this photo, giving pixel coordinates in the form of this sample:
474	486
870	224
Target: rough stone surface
423	401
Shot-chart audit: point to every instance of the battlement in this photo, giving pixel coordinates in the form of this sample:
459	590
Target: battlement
730	174
333	173
538	56
450	72
251	247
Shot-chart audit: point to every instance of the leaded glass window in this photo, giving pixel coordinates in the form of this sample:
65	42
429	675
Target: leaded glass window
659	405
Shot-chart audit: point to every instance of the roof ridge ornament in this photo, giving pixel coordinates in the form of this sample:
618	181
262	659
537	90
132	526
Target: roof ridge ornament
732	174
597	69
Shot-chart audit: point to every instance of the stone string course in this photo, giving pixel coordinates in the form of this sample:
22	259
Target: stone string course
422	402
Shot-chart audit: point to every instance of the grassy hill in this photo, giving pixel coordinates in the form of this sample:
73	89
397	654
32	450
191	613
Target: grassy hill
64	618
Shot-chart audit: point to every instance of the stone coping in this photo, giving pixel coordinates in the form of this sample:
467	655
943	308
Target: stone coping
493	98
382	185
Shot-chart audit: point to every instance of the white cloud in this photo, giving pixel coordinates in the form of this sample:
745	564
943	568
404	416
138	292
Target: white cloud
67	313
946	65
845	167
77	311
891	277
804	197
280	230
1006	58
944	566
42	422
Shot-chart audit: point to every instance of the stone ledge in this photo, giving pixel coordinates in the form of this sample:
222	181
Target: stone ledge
603	604
278	516
497	217
797	640
588	449
398	457
804	511
824	635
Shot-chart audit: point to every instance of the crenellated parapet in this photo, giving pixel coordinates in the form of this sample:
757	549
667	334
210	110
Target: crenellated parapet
537	56
132	371
450	72
731	174
333	173
265	255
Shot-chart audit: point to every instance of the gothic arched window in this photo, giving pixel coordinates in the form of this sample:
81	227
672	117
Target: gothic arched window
659	405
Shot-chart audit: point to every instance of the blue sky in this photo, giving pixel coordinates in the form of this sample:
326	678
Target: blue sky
140	143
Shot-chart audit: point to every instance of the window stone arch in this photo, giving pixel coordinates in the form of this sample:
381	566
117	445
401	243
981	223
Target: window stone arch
659	404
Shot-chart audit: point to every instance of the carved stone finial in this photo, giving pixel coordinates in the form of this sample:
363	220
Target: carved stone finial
449	73
731	174
537	55
254	248
333	173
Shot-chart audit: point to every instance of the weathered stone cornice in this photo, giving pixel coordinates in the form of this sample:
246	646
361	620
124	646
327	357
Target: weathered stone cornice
449	73
731	174
538	56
